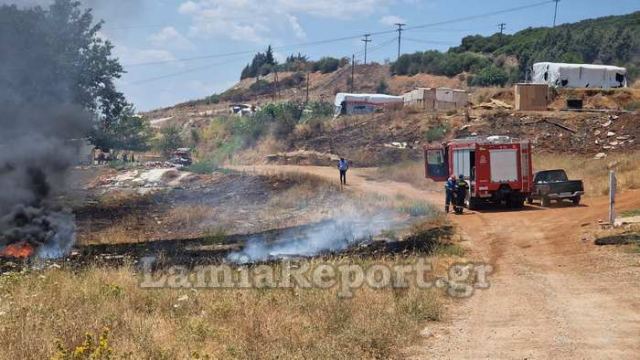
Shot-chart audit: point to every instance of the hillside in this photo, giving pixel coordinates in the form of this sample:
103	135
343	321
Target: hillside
286	124
499	59
292	86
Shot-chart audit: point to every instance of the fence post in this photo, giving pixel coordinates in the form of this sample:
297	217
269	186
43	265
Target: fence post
612	197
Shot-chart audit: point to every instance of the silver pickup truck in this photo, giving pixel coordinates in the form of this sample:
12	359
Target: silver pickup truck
555	185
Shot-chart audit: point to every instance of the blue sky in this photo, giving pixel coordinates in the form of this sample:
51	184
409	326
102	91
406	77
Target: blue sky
146	31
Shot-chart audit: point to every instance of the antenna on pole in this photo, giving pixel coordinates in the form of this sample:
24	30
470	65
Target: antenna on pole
366	41
502	27
555	13
400	29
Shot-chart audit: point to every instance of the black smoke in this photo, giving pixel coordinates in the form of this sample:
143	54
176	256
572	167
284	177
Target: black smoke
41	125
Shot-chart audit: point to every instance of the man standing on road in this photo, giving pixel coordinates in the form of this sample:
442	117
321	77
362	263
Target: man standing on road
449	188
461	192
343	166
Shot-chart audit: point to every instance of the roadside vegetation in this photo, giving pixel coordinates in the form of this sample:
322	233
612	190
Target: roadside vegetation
227	135
205	323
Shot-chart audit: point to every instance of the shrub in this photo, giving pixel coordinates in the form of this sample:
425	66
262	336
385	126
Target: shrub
261	87
326	65
170	140
489	76
382	87
89	350
436	133
633	106
202	167
317	109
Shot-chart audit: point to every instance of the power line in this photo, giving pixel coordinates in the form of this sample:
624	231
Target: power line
435	42
399	30
366	41
480	16
244	52
143	81
326	41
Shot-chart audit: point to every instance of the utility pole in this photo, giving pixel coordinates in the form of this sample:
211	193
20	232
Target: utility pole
276	90
353	67
555	14
502	26
307	97
399	36
366	41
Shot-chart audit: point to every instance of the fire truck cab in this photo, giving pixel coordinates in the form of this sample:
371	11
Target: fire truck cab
497	168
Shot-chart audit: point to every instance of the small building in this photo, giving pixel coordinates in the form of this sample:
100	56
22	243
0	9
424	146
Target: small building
357	104
451	99
531	97
579	75
440	99
423	98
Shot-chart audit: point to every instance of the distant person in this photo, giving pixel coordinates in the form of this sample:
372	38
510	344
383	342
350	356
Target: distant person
449	188
343	166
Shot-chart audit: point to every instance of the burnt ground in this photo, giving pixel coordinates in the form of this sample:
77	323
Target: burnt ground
201	251
229	203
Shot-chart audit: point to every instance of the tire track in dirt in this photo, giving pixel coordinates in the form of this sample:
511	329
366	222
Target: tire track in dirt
552	295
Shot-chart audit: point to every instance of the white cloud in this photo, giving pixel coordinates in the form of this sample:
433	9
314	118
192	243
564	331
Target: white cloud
261	21
129	55
295	26
170	38
391	20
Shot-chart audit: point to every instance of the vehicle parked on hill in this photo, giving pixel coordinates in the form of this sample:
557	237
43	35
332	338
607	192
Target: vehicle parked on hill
182	156
497	168
555	185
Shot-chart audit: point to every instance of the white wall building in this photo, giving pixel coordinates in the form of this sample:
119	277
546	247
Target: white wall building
579	75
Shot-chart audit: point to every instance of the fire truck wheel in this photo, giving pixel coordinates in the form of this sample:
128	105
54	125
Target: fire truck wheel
545	201
529	201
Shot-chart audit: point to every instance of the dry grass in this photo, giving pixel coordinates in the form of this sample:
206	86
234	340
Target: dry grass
189	216
127	230
595	173
411	172
40	308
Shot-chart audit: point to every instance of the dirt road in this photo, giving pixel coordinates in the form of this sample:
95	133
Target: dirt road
553	293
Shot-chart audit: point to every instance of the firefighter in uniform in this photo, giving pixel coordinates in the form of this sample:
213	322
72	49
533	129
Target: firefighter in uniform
461	193
449	188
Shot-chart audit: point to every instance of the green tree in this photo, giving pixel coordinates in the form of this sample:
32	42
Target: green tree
56	54
170	140
490	76
326	65
262	64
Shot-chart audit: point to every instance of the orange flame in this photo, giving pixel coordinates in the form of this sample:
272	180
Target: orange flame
20	251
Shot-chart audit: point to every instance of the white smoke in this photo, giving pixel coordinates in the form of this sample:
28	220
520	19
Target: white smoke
347	227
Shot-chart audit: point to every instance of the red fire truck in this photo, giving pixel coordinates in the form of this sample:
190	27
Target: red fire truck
497	168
